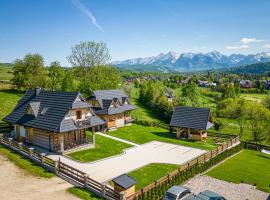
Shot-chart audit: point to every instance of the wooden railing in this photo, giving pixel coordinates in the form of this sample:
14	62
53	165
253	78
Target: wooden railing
84	180
199	160
61	169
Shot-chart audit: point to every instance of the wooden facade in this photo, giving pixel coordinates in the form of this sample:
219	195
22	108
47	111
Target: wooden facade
117	120
55	142
193	134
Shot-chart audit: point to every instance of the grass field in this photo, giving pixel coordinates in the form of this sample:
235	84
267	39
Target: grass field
141	113
8	100
148	174
141	134
248	166
83	193
5	72
25	164
105	147
259	98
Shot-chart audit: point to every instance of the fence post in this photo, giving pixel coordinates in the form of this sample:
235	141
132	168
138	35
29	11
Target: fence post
20	146
42	155
31	151
56	166
9	141
103	190
122	195
85	178
204	158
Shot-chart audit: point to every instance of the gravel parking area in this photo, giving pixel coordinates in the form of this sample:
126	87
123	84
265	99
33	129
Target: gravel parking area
230	191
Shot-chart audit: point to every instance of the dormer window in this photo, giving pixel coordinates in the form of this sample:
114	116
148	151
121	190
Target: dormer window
79	114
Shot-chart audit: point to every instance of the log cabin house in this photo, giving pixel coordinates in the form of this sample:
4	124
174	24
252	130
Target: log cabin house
55	121
191	123
113	106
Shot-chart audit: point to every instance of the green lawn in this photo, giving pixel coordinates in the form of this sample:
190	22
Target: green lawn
148	174
141	134
25	163
8	100
5	72
259	98
141	113
105	147
250	166
83	193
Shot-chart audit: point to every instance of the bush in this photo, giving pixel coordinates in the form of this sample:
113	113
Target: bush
218	125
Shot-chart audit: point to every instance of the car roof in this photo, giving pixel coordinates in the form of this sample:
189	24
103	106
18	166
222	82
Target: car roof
177	189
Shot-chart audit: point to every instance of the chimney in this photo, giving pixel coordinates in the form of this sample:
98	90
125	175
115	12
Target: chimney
37	91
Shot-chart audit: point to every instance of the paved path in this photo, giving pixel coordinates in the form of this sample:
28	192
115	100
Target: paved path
134	158
118	139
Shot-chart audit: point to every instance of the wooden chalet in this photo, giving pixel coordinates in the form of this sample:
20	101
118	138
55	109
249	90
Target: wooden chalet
55	121
113	106
191	123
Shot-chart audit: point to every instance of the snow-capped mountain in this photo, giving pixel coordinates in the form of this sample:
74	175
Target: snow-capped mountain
173	61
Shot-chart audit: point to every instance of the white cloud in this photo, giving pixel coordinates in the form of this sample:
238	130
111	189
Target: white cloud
78	4
250	40
267	46
238	47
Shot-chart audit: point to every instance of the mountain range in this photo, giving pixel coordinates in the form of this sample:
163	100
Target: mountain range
188	62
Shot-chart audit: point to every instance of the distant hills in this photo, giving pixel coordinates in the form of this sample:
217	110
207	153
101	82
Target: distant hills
258	68
190	62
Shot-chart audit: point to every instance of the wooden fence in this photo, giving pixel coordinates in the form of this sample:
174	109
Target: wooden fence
254	146
199	160
5	127
61	169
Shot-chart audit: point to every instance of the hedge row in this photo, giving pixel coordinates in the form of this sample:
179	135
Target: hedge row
150	123
158	191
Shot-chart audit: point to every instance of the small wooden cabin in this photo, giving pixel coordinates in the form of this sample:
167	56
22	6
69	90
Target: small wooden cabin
191	123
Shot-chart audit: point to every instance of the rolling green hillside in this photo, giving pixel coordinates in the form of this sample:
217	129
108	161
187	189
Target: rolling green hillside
5	71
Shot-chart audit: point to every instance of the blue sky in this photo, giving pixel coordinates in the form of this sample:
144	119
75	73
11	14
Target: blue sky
133	28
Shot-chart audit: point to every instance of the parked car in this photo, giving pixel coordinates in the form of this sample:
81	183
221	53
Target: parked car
206	195
177	192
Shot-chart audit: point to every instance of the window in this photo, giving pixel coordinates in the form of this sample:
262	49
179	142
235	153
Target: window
79	114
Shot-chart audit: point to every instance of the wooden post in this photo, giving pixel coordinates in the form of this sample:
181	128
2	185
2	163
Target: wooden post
20	146
85	180
56	166
31	151
122	195
42	158
9	141
103	190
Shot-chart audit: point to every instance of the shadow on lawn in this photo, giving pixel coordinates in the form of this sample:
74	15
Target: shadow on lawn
12	91
169	135
267	157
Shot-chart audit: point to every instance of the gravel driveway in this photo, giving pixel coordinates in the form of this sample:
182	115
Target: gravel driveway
134	158
230	191
16	184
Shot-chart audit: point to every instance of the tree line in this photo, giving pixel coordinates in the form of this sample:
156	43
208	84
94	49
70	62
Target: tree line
90	70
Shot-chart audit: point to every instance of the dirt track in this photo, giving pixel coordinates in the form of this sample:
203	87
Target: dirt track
16	184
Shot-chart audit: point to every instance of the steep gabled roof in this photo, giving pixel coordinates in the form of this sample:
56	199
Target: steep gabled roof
191	117
109	94
107	97
56	104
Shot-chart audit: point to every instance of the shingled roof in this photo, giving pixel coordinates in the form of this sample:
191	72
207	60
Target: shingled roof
191	117
125	181
106	99
49	109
